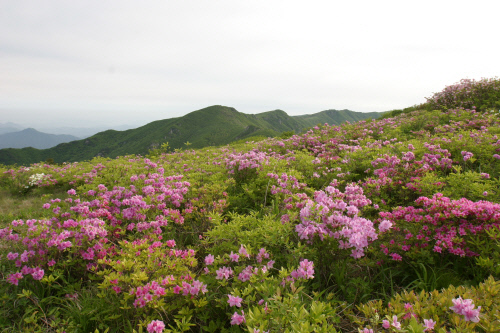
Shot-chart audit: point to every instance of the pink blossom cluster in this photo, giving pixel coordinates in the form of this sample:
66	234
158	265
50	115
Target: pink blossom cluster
465	93
465	307
305	271
442	223
336	214
86	227
238	319
156	326
250	160
192	289
147	293
467	155
286	184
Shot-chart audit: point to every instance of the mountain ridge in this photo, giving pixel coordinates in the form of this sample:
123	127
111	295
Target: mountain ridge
30	137
210	126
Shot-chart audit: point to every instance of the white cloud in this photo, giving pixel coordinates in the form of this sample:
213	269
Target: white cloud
124	61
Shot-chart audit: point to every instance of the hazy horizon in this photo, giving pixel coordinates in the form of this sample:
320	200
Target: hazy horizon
94	63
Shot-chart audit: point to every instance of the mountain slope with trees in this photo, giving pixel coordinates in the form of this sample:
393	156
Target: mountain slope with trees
211	126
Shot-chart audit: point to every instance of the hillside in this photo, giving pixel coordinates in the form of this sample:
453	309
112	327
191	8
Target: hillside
386	225
30	137
211	126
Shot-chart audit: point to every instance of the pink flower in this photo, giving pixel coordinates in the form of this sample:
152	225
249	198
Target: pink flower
234	300
395	322
465	307
234	256
72	192
177	289
38	273
209	260
14	278
429	324
224	273
386	324
367	330
384	226
237	319
156	326
396	257
12	256
243	252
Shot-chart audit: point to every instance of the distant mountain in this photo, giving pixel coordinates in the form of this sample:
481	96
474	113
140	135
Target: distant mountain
32	138
9	127
83	132
211	126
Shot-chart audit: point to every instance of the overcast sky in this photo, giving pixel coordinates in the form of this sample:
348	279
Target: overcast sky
83	63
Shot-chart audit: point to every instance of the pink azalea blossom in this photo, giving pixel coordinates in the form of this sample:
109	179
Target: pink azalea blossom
209	260
238	319
395	322
234	300
429	324
156	326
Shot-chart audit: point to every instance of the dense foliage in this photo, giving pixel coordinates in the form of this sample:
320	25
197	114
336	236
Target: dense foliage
373	226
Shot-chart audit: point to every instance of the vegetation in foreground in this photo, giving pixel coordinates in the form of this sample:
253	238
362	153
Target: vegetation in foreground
388	225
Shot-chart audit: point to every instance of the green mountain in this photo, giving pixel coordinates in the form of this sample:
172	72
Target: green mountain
211	126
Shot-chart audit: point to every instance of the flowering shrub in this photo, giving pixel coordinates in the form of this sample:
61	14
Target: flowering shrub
447	310
468	94
442	225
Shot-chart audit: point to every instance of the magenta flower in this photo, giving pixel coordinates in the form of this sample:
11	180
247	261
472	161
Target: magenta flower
38	273
234	300
12	256
396	257
156	326
386	324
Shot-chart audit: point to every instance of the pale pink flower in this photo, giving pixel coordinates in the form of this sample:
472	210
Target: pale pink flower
429	324
209	260
234	300
238	319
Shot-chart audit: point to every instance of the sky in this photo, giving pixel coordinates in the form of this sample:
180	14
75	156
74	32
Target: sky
110	63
